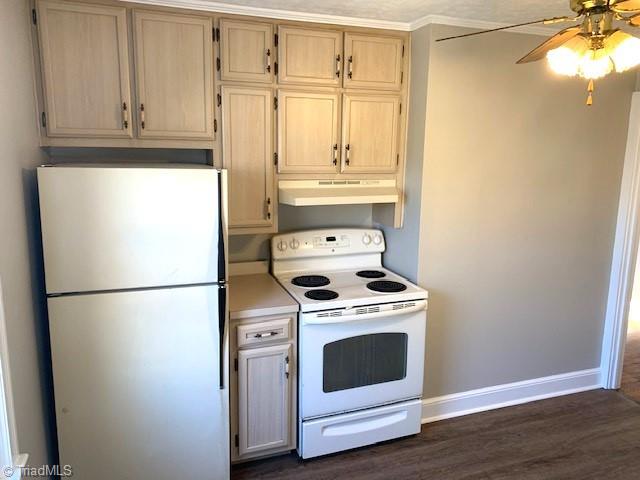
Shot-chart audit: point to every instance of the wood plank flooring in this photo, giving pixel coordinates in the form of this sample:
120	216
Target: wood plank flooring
591	435
631	367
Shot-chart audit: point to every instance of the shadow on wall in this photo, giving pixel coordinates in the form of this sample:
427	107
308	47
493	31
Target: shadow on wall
248	248
41	327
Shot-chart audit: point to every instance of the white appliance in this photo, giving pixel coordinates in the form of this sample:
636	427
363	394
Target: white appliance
135	270
361	339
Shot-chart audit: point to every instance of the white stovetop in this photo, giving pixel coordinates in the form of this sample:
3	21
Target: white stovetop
352	290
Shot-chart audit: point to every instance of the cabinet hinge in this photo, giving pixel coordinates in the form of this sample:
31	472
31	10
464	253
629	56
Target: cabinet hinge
237	440
43	119
275	158
275	40
275	103
218	63
403	49
275	68
400	110
34	16
215	125
401	77
235	364
219	97
397	159
217	34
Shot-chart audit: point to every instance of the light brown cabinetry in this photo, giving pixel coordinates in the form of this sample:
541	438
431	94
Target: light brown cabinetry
174	75
373	61
264	391
85	66
263	385
247	137
308	131
370	126
247	52
308	56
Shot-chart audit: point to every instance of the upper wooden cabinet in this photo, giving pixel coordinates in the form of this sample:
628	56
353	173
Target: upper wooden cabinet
247	51
311	57
174	75
373	61
370	126
308	132
85	63
247	134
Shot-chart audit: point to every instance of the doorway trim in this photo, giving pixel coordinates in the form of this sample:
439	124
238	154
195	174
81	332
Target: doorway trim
625	249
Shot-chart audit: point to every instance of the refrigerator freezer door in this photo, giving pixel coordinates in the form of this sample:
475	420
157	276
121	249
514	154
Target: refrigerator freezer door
137	389
116	228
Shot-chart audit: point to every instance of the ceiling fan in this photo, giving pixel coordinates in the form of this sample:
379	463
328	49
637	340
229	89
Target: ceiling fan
592	49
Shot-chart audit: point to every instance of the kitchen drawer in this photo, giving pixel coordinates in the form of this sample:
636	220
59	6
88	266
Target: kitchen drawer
268	332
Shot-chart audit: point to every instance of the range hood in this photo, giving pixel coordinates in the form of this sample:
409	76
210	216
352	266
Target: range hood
302	193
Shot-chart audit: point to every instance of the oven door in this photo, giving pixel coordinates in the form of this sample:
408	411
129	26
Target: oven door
361	357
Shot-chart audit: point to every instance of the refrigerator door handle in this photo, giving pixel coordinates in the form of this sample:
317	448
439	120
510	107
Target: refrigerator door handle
222	226
222	330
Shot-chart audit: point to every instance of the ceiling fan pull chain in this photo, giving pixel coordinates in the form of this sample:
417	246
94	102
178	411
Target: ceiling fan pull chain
590	90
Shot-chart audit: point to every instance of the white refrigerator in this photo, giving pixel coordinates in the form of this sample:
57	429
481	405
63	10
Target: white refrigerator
135	271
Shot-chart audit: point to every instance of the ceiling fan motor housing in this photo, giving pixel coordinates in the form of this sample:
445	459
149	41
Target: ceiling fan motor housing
594	6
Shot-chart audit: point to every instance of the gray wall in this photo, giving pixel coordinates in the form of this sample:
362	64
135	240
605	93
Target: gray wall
19	254
246	248
403	244
519	191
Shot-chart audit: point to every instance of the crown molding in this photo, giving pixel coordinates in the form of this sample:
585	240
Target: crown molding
479	24
221	7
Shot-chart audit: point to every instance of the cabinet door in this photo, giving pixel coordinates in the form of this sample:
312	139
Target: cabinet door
373	62
308	56
174	75
85	62
370	133
307	132
246	50
247	133
264	388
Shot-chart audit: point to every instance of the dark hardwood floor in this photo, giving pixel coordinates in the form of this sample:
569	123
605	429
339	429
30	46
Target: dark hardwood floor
591	435
631	367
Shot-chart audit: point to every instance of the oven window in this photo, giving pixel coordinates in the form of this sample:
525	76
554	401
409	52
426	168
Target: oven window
364	360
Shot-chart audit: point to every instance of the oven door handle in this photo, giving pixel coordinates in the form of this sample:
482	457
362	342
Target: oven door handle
385	311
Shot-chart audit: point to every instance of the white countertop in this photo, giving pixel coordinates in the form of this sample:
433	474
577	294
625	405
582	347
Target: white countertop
257	295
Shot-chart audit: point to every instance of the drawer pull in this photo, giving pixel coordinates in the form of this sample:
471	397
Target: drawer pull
263	335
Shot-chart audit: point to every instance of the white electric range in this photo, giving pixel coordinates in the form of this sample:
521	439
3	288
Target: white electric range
361	339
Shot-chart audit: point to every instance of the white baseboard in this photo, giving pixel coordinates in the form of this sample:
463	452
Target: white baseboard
490	398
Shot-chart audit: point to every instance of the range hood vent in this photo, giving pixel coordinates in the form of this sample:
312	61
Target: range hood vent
302	193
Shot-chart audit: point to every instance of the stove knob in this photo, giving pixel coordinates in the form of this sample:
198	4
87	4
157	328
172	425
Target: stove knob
282	245
294	244
366	239
377	239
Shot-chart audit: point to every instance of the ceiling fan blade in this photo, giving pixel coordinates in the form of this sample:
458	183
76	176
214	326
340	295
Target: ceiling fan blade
626	6
546	21
635	20
556	41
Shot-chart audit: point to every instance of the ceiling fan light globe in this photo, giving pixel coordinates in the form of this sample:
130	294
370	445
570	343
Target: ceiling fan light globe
564	61
626	55
595	64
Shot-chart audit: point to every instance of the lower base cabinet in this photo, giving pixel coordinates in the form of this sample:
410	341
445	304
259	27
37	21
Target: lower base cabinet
263	387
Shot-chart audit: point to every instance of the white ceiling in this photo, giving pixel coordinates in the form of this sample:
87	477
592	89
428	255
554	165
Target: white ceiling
408	11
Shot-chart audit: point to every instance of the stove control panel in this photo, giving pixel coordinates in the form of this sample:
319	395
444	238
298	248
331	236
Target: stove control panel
329	242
